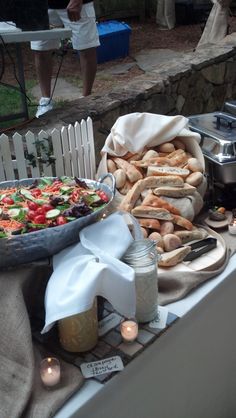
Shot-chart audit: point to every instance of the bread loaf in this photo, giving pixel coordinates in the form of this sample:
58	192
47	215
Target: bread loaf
171	258
149	212
175	191
167	171
149	223
187	236
131	172
158	202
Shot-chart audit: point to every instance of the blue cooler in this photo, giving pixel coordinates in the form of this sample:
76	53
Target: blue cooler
114	40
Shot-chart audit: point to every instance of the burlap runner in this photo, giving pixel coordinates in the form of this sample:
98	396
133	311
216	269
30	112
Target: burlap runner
173	287
22	394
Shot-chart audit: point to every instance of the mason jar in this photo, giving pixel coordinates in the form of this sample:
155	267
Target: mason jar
143	258
79	333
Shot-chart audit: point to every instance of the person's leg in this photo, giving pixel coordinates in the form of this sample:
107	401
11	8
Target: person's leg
85	39
88	65
43	64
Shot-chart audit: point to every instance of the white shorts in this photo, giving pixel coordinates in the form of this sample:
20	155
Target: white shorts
84	31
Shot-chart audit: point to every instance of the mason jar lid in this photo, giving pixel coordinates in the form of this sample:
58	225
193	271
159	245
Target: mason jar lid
139	249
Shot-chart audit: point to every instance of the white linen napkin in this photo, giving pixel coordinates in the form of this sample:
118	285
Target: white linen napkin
91	268
134	131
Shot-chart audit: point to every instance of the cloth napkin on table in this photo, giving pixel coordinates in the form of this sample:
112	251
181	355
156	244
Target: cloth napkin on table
91	268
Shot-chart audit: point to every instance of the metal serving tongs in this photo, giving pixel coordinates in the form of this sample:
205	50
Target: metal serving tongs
200	247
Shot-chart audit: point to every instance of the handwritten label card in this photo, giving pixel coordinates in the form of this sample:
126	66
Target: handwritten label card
109	322
161	318
96	368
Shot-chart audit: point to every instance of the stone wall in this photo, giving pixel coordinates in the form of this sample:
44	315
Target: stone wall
200	82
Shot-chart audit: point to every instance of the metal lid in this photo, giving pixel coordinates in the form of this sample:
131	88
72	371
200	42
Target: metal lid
218	132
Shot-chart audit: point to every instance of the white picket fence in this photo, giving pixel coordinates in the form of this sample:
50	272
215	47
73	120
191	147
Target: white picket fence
69	151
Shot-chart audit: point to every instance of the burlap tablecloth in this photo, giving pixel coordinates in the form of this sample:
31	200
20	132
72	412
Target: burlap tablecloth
175	286
22	394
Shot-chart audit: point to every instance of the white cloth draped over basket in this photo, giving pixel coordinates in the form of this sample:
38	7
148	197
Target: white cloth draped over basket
133	132
91	268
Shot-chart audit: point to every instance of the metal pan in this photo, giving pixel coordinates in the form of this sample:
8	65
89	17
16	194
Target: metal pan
25	248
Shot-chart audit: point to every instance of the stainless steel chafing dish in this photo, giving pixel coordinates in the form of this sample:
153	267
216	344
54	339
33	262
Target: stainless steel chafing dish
218	144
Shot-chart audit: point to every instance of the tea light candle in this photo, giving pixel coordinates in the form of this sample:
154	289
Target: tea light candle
50	371
129	330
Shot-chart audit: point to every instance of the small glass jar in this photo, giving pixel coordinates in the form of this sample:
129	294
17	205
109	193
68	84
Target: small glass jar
143	258
79	333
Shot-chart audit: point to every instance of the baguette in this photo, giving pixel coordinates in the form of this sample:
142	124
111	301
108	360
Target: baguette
150	212
156	161
167	171
158	202
171	258
183	222
187	236
149	223
131	172
133	194
175	191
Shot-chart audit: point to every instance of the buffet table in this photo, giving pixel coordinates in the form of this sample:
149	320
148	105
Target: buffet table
189	371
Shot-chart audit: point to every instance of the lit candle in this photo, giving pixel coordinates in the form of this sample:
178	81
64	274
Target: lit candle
50	371
129	330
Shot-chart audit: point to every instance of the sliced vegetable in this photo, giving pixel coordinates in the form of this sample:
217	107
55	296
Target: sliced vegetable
52	213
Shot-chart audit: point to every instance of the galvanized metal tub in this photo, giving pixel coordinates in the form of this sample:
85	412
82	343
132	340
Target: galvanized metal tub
25	248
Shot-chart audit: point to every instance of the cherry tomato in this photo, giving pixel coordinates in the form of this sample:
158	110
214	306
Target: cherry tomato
8	200
36	192
46	207
39	219
75	195
31	214
102	195
32	205
40	211
61	220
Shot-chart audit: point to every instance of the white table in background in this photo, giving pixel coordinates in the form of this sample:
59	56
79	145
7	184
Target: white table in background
9	34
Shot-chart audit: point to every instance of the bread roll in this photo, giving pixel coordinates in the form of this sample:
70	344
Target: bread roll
111	166
166	227
120	178
194	179
150	154
166	147
155	236
171	258
126	188
195	165
171	242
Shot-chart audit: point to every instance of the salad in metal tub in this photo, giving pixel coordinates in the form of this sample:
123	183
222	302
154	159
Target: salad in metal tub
39	217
